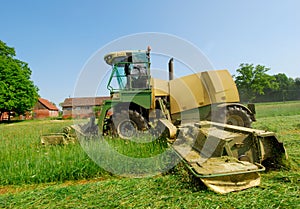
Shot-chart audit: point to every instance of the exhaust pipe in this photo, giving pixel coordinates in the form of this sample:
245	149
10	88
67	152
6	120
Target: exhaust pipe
171	69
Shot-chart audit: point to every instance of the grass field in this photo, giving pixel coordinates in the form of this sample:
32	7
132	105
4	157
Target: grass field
36	176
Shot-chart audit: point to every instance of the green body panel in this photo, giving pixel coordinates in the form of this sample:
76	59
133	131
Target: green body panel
107	104
141	98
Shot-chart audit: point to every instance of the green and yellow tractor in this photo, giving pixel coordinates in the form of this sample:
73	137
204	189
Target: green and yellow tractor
138	100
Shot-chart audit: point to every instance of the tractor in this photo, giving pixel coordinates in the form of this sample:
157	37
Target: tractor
138	100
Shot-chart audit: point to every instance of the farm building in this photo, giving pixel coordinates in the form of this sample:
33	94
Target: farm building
4	116
81	107
44	109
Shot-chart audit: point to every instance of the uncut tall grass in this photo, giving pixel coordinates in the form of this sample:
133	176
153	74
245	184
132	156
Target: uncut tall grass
24	159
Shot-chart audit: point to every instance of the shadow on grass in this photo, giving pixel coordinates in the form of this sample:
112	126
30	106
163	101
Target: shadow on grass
11	121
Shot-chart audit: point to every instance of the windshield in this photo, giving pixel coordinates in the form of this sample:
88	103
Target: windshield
138	57
131	73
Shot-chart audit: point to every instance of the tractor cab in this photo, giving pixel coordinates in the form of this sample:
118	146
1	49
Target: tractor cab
130	70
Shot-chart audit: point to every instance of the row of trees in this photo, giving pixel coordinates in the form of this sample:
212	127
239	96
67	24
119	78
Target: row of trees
18	93
255	85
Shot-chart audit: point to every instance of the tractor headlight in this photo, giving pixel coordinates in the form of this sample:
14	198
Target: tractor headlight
116	96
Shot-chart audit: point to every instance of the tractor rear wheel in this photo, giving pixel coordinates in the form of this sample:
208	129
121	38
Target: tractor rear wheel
238	117
128	123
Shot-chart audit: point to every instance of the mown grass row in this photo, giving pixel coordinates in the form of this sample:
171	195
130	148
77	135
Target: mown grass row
277	190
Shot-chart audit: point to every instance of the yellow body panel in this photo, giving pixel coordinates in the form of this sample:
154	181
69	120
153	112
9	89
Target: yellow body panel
159	87
197	90
220	86
187	93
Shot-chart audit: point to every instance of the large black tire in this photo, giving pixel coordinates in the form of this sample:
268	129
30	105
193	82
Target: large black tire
237	116
128	123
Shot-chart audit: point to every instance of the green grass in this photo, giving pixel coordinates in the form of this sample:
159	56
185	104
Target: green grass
24	160
130	158
35	176
277	109
278	190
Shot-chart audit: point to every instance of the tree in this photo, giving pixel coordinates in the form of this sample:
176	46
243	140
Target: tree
253	80
297	82
17	92
285	85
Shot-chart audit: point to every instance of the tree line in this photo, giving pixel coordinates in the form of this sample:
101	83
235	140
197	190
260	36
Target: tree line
18	93
255	85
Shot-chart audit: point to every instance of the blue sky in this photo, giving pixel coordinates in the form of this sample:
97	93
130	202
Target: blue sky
57	38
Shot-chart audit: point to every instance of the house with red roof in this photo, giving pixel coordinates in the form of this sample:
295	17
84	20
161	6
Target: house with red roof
81	107
44	109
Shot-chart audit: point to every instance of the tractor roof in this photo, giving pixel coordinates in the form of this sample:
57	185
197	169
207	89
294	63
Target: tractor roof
122	56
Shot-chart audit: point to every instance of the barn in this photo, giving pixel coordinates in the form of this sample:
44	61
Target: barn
44	109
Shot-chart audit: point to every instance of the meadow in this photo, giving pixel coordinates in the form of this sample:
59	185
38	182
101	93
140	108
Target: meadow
64	176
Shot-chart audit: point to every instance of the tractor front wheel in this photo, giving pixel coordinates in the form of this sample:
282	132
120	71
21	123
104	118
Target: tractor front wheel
128	123
238	117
